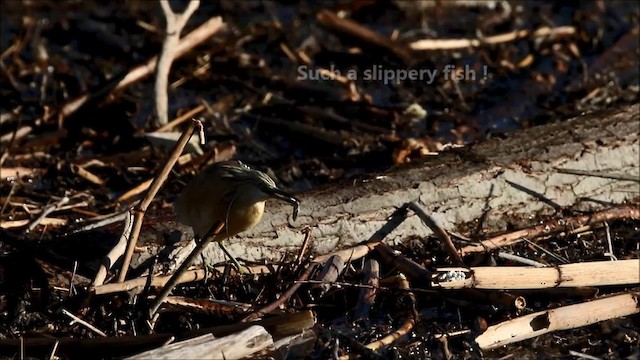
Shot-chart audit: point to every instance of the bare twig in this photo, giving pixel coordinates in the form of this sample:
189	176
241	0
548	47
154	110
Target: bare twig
175	24
48	210
115	253
520	259
146	201
104	221
448	44
53	351
439	231
84	323
160	281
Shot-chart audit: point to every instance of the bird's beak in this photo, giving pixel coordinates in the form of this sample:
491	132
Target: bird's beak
282	195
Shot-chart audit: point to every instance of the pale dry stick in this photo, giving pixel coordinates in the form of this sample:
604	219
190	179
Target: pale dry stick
520	259
595	273
151	193
610	253
86	174
116	252
562	318
48	210
452	333
104	221
16	172
84	323
553	226
450	44
53	351
160	281
583	355
535	246
174	25
73	206
21	223
438	231
239	345
73	276
207	306
16	135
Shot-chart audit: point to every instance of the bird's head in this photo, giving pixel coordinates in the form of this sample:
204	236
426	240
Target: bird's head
255	186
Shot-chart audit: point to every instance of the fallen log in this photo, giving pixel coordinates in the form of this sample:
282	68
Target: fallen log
457	186
499	176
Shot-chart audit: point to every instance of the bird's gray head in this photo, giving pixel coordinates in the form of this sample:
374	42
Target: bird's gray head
248	179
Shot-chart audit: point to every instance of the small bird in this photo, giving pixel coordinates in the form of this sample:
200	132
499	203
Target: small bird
230	192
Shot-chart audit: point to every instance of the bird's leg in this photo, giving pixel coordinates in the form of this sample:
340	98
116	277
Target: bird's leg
206	267
241	269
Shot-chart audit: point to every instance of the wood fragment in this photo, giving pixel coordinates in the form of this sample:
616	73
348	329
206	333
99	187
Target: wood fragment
86	174
562	318
84	323
367	297
16	172
595	273
10	224
237	346
450	44
329	273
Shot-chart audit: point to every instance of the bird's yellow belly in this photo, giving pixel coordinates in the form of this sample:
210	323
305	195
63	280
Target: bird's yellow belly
242	218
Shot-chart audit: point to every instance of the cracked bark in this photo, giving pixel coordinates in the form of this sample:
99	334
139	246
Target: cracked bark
455	188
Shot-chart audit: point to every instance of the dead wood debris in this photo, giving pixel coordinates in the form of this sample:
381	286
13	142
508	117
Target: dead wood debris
76	156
